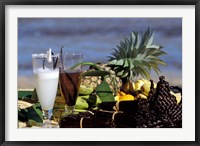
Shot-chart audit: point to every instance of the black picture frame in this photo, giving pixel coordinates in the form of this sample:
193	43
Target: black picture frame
4	3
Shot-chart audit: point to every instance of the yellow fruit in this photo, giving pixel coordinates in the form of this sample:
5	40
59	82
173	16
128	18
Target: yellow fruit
146	88
138	84
121	96
146	81
142	96
126	97
121	93
177	95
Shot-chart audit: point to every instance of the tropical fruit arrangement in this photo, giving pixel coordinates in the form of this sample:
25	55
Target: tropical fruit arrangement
160	109
138	103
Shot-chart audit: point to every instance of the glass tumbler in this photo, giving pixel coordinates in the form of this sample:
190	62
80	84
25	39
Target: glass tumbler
70	79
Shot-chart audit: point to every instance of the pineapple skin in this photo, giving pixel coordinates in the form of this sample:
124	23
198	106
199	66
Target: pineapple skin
113	81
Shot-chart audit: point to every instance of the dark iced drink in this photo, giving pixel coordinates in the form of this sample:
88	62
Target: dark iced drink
69	86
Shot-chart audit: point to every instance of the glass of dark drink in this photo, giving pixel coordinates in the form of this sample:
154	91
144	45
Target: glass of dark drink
70	79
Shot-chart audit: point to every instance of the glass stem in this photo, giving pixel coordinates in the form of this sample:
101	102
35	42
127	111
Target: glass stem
47	118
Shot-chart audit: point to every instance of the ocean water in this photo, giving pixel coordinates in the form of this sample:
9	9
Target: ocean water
96	38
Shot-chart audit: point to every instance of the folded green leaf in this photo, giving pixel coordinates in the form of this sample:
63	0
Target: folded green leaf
31	113
35	113
22	115
24	94
104	92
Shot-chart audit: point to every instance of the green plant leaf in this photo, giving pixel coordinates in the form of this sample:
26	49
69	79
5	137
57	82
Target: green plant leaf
126	74
113	62
132	39
131	64
120	73
154	47
144	72
159	61
150	51
126	64
156	69
104	92
120	62
22	115
84	64
35	113
150	41
159	53
150	57
138	40
24	94
122	44
141	49
137	51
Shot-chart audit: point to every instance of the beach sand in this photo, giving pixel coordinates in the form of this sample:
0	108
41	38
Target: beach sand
28	82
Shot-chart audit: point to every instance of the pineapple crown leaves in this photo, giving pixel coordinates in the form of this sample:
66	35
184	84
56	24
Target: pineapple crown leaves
136	55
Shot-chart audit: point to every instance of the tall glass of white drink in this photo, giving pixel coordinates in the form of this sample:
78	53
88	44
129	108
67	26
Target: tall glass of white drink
46	74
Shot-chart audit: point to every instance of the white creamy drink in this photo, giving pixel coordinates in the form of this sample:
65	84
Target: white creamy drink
46	74
46	85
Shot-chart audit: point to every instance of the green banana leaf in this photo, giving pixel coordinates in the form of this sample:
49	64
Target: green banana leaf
24	95
28	96
31	114
104	92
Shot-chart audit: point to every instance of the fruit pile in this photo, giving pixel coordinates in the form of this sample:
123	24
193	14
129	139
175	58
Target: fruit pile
136	104
158	110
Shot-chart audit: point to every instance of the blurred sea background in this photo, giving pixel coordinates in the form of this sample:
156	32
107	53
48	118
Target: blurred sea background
95	38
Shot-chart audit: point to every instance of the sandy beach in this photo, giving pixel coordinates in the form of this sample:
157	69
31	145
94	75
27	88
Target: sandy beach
28	82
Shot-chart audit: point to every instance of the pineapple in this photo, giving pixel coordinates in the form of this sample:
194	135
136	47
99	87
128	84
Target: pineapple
136	56
113	81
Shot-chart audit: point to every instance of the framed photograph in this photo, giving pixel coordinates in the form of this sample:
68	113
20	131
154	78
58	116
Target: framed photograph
123	72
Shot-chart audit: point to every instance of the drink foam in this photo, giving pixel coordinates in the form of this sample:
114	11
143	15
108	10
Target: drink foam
46	73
